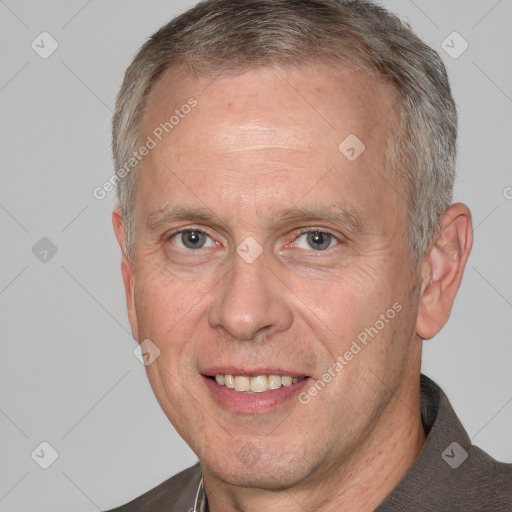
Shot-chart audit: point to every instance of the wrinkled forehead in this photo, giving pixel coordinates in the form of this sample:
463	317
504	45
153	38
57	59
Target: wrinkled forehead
312	96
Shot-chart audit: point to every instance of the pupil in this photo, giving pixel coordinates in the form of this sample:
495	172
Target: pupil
319	240
193	239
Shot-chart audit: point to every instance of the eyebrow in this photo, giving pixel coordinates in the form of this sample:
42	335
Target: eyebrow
174	213
339	215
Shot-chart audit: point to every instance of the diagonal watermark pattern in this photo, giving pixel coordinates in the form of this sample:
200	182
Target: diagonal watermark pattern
56	151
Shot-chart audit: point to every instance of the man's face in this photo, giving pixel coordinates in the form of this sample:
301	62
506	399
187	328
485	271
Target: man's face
255	166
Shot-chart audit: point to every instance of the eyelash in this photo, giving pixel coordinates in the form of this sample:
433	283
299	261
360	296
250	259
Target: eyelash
305	231
297	235
177	232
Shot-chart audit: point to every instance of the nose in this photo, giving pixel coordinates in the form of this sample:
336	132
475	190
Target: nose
252	302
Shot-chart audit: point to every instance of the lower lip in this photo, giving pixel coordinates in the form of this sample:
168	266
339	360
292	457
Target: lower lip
251	403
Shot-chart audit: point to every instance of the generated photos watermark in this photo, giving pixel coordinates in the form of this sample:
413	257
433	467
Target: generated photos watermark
151	142
357	345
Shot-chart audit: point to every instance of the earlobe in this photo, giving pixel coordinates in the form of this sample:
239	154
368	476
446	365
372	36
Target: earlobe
442	270
127	269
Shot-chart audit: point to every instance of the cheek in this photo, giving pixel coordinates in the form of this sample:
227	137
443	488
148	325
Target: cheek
346	299
163	302
366	304
171	312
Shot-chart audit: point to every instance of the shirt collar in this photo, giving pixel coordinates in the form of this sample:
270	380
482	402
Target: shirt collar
200	502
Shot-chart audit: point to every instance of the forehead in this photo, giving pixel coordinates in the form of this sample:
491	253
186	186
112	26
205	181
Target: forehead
269	125
314	96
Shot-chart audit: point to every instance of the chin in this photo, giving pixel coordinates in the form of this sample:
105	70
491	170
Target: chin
250	468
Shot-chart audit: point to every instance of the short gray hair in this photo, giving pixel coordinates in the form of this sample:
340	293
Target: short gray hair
231	36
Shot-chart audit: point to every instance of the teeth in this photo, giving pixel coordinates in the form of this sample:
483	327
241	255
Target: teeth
274	382
242	383
257	384
287	381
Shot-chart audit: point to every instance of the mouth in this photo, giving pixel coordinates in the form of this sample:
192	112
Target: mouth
256	391
255	384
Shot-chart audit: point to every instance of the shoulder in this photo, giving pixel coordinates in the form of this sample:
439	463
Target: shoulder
450	473
469	475
175	494
488	481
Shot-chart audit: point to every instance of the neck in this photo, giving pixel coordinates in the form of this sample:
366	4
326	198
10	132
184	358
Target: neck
359	483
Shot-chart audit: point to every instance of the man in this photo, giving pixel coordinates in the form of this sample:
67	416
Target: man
285	171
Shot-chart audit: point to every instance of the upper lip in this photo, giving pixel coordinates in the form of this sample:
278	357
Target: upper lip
250	372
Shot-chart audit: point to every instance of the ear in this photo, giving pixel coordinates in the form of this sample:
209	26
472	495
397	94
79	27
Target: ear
127	269
442	270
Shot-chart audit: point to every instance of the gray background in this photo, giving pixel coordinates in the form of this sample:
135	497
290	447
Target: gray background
68	374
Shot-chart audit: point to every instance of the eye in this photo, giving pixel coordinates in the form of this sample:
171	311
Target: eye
316	240
192	239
